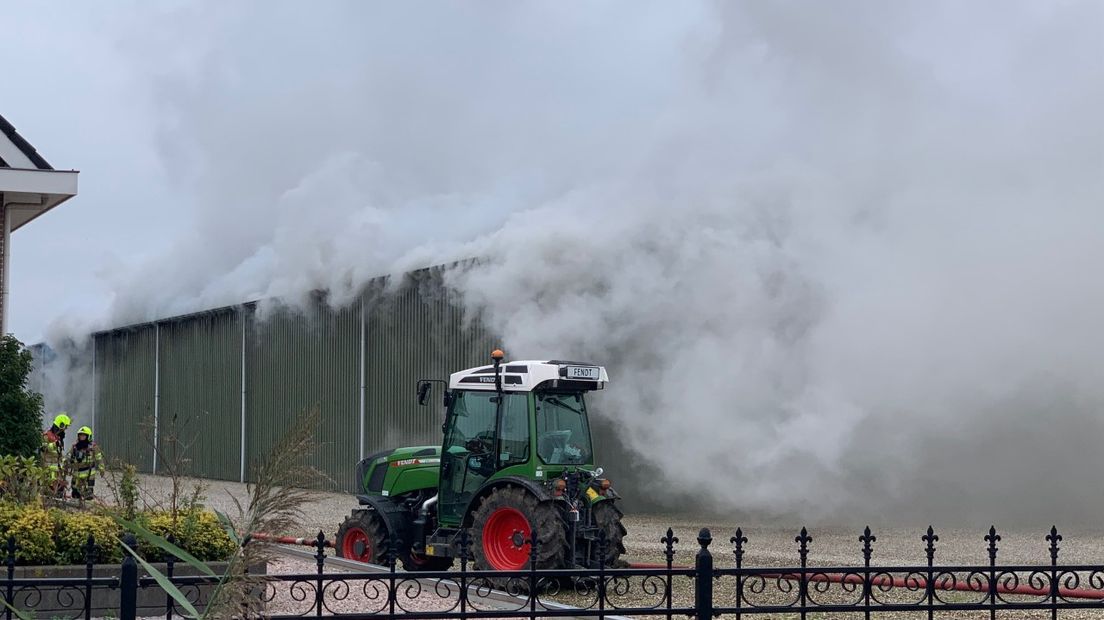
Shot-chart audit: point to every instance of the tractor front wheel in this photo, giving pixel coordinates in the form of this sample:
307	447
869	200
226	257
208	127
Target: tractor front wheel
362	537
607	516
504	524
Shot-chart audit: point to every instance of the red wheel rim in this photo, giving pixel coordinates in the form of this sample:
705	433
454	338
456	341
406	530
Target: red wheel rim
356	537
505	529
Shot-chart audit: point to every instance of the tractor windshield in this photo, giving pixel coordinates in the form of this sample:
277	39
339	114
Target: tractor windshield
563	435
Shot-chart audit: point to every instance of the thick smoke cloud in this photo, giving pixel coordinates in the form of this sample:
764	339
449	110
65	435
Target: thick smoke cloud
839	258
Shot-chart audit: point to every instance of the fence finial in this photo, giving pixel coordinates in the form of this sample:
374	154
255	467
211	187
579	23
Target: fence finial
704	538
867	539
1054	538
738	541
930	538
992	538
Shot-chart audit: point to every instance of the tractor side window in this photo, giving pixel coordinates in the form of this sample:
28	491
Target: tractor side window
563	436
515	430
473	422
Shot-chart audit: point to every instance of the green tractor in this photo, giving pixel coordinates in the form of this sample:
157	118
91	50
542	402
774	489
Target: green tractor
516	458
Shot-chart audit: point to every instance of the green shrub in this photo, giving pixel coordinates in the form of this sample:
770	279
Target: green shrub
9	512
71	538
57	536
22	479
20	408
198	532
33	530
128	492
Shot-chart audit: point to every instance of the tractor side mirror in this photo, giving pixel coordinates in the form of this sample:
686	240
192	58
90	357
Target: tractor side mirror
423	392
447	400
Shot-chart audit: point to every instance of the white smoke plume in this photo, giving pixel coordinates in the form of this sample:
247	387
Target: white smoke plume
840	258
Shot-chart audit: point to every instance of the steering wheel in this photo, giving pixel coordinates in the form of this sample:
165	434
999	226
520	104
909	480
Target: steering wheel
480	444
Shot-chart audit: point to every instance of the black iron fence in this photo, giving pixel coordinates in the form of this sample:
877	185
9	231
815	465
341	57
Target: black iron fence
718	583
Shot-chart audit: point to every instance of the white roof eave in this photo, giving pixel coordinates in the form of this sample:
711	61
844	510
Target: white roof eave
28	193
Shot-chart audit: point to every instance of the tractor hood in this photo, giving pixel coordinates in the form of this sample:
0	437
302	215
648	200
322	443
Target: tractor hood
394	472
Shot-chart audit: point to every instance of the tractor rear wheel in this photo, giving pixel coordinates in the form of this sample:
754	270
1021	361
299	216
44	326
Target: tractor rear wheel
504	524
607	516
362	537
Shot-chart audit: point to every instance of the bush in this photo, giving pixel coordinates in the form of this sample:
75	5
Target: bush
58	537
20	408
71	538
22	479
198	532
33	529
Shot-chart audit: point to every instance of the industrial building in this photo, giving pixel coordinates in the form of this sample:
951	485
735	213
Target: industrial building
235	378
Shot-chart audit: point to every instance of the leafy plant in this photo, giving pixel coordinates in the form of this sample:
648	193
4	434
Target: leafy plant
71	538
128	492
20	408
33	530
22	479
198	532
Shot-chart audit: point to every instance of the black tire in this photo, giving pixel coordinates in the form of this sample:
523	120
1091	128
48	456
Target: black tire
608	517
541	517
362	537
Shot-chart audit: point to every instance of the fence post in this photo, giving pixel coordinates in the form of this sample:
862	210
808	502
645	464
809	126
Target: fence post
10	598
1054	538
703	578
128	583
993	538
738	541
320	560
89	559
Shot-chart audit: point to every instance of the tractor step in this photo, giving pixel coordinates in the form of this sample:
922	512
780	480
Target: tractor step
440	543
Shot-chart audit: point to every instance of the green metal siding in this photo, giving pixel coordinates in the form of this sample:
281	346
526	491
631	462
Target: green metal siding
412	329
296	361
200	392
124	369
416	332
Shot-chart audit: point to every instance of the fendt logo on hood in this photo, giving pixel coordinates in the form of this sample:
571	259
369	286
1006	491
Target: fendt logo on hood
406	462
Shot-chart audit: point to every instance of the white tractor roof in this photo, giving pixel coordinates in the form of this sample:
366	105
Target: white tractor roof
526	375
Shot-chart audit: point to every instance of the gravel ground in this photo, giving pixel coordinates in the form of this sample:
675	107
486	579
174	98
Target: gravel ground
768	545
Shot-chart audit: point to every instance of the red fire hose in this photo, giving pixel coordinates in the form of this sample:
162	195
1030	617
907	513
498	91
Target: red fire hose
919	584
289	540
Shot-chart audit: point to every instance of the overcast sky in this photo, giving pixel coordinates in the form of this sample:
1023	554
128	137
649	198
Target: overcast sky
72	91
859	240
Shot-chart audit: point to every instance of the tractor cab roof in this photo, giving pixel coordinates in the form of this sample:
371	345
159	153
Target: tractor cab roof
529	375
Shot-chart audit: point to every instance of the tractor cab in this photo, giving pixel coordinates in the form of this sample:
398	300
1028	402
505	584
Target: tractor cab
528	420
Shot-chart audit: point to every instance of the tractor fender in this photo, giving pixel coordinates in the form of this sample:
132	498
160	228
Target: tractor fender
538	491
394	517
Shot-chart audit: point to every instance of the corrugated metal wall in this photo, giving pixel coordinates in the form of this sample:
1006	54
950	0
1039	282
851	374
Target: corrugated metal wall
414	333
293	361
200	391
124	369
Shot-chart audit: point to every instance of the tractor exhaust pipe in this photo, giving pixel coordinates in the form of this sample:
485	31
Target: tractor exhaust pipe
417	536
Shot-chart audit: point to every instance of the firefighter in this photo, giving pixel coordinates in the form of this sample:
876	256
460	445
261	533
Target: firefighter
84	461
52	452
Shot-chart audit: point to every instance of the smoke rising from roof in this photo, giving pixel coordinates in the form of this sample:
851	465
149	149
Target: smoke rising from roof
838	258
